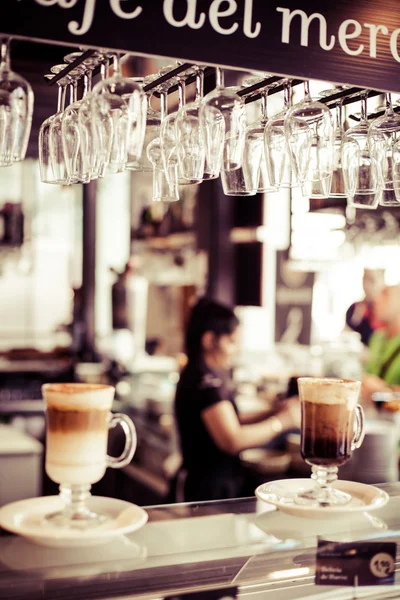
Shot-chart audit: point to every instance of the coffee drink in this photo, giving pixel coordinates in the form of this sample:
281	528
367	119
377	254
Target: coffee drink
327	420
77	431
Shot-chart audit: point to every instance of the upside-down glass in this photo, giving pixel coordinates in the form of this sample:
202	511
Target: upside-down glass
47	174
71	139
58	159
16	108
332	426
153	124
254	159
310	132
78	419
384	133
189	137
280	172
360	170
223	120
121	103
165	189
338	188
93	157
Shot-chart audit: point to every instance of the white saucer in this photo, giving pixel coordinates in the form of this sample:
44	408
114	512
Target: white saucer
26	518
281	493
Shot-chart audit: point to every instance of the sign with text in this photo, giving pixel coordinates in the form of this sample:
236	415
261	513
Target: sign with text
343	41
355	563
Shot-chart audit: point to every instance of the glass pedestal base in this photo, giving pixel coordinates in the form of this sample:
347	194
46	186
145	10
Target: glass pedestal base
75	514
323	494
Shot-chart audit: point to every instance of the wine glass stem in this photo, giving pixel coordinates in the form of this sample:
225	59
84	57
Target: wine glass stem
219	74
87	83
264	104
103	70
287	89
61	89
116	65
199	85
388	100
364	107
339	115
5	53
307	95
181	92
164	104
63	96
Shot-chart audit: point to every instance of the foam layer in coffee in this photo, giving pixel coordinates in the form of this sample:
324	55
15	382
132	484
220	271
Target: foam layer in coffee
75	396
329	391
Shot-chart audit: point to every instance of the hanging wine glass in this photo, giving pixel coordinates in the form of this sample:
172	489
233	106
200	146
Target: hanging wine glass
92	167
189	136
153	123
359	165
16	108
58	159
279	168
310	133
120	100
47	172
384	133
71	139
168	134
223	120
338	189
165	189
254	159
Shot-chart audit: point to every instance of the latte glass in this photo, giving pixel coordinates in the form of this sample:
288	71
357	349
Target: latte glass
78	418
332	426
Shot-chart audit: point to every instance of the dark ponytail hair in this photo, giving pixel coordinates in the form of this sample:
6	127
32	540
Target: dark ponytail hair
207	315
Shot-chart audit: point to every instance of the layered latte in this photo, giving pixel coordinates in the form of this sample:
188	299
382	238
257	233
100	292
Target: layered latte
327	420
77	417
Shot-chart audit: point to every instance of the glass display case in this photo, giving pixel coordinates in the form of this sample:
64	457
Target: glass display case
213	550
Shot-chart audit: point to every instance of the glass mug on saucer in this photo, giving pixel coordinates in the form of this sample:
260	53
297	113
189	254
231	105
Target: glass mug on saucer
78	419
332	426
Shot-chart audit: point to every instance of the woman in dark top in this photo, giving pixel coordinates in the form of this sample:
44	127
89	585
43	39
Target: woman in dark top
211	431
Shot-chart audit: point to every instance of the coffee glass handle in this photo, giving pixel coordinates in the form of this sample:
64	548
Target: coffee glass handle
130	441
359	427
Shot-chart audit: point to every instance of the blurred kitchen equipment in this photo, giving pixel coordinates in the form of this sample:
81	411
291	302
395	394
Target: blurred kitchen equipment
20	455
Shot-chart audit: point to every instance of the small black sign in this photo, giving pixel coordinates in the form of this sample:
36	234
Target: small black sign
355	563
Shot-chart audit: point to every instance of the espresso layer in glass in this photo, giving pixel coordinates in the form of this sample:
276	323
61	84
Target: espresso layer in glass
327	433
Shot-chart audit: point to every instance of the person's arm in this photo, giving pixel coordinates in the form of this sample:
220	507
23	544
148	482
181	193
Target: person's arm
231	437
249	418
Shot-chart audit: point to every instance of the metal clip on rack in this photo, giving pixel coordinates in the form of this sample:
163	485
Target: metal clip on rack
250	94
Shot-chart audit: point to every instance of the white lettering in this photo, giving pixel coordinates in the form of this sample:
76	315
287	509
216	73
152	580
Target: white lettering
215	14
248	17
117	9
393	44
61	3
190	17
344	35
305	26
373	34
87	21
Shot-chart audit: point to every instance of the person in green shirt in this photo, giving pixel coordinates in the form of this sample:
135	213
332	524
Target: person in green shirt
383	365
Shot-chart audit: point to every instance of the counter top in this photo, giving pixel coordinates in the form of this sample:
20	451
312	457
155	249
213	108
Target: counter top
190	547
